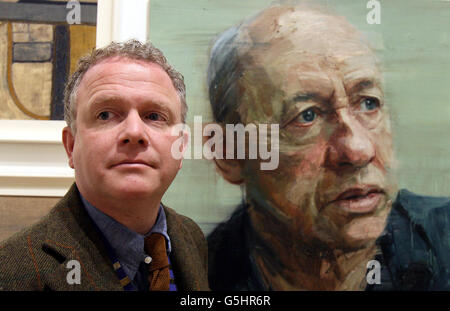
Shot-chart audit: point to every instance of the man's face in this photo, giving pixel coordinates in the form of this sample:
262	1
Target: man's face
333	184
121	150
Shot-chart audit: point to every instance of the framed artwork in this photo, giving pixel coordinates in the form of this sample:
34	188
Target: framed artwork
338	187
413	61
39	48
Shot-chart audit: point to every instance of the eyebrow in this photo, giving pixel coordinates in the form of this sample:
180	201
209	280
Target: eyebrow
113	99
150	103
101	100
355	86
362	84
320	98
304	97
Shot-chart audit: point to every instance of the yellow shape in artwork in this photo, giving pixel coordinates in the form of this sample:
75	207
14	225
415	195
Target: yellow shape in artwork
33	86
82	41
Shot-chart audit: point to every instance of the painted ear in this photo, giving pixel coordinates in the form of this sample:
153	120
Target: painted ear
68	142
230	169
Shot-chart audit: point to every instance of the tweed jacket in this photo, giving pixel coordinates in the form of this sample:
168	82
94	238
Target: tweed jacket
37	257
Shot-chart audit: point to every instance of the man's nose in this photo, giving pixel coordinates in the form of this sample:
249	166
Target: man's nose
134	130
350	144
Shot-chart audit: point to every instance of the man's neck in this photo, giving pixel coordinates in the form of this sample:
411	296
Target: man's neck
136	215
301	266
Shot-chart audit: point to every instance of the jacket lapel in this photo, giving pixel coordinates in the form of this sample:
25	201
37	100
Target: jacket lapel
73	243
189	268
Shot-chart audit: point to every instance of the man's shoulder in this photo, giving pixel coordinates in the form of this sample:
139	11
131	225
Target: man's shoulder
189	251
227	240
420	207
429	216
31	257
183	228
229	231
20	252
176	219
417	244
37	231
171	213
14	244
228	253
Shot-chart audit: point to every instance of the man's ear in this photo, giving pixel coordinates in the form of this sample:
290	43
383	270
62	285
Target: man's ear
68	141
230	169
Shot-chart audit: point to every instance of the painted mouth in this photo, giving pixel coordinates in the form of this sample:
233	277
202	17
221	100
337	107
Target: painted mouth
359	200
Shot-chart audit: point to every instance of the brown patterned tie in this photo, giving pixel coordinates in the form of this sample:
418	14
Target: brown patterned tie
159	276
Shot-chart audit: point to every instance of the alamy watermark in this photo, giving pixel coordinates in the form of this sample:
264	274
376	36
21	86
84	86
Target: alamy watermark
74	275
74	15
241	142
374	274
374	15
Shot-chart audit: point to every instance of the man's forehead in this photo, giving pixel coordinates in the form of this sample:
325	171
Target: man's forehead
117	70
108	64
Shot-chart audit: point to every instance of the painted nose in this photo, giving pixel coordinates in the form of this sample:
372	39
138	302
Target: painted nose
134	130
350	144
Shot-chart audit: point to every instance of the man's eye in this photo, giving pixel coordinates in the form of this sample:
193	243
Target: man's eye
154	116
370	104
104	115
307	116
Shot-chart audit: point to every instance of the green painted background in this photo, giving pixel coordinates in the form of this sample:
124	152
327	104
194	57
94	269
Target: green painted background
413	43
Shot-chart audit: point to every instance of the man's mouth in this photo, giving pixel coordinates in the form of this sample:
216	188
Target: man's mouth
132	164
359	200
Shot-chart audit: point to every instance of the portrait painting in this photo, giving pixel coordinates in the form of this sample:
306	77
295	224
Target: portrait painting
357	90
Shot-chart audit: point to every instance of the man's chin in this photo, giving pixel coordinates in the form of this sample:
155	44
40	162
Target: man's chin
353	231
363	232
133	190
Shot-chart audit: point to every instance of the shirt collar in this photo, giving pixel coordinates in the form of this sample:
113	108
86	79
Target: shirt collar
127	244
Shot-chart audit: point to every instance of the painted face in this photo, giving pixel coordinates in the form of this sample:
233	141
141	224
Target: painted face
333	183
125	113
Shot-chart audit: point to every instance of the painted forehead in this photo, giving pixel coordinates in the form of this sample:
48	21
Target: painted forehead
306	33
287	42
298	52
277	22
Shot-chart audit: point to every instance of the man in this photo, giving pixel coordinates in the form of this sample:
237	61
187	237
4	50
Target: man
319	219
111	231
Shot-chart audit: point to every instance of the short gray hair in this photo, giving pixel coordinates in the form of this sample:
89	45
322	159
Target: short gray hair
132	49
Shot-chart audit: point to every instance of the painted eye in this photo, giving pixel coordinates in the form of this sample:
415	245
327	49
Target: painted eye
370	104
307	116
104	115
